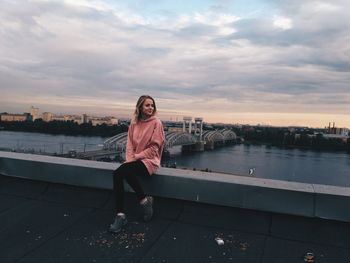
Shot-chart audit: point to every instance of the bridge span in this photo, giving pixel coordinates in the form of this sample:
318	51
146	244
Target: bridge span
192	138
188	141
116	145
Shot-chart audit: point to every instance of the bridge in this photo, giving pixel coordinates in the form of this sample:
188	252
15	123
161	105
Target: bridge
212	138
192	138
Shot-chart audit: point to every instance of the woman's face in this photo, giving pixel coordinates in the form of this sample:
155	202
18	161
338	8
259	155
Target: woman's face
147	108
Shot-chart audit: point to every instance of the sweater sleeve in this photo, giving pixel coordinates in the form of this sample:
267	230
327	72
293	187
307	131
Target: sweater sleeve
155	145
129	152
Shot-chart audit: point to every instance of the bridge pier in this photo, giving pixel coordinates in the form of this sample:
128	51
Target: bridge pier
166	153
197	147
209	145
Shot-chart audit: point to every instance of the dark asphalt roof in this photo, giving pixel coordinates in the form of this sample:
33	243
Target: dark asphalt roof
46	222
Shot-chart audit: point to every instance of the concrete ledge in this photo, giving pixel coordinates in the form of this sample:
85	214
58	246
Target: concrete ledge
310	200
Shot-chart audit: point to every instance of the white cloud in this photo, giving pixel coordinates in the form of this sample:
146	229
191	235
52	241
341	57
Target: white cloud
203	61
283	23
321	7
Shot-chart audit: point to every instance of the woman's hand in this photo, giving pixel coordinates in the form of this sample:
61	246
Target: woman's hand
131	159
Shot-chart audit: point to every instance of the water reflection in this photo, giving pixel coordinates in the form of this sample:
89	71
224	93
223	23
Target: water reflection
274	163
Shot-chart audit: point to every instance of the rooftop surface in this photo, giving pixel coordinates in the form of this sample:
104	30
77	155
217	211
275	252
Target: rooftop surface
47	222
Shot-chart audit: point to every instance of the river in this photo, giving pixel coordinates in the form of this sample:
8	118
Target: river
332	168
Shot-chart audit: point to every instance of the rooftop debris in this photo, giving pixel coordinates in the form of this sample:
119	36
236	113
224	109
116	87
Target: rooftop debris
309	257
129	239
219	241
229	240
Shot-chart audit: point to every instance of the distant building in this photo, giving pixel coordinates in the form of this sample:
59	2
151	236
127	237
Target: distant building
97	121
58	118
13	117
344	138
75	118
113	121
47	116
342	131
337	131
103	120
67	117
34	112
84	118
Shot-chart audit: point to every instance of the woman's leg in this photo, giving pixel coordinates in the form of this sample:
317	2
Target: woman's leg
118	187
129	172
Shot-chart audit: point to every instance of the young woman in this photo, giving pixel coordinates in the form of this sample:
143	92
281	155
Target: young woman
143	154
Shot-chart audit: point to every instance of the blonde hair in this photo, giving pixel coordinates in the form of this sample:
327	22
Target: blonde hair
139	105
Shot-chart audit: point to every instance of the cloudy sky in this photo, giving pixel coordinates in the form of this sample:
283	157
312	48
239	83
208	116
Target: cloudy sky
278	62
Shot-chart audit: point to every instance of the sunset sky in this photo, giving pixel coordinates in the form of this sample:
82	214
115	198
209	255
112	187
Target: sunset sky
276	62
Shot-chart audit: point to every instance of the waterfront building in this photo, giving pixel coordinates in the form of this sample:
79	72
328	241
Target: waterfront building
34	112
74	118
98	121
67	117
47	116
344	138
13	117
112	121
338	131
58	118
103	120
334	132
84	119
342	131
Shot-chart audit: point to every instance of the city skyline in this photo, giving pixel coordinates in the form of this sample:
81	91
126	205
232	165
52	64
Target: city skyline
174	118
280	63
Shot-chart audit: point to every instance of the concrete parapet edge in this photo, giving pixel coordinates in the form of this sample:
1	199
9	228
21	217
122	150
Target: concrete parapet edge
311	200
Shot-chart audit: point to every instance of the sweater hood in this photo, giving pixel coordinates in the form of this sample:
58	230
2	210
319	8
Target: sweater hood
149	119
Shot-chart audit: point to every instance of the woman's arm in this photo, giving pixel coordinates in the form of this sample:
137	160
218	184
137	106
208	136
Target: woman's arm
155	145
130	153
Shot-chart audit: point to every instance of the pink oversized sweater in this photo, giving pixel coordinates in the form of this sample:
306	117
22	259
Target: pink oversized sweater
146	142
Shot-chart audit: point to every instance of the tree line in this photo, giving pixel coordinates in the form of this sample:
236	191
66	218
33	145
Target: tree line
309	138
64	127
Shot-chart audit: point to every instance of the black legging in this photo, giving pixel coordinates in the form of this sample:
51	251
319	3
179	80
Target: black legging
129	171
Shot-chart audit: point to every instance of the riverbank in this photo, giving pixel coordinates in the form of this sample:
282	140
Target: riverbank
300	147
